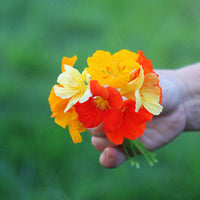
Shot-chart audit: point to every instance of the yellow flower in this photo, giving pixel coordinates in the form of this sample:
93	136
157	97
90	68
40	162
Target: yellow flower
112	70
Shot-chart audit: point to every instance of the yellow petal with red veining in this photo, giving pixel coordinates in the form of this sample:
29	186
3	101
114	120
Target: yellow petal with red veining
151	94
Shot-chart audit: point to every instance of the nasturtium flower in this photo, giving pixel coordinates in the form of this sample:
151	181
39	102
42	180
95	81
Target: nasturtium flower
145	90
72	88
120	91
132	123
112	70
105	106
69	118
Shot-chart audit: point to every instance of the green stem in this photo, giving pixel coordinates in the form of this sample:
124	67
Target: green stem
132	146
133	150
142	150
150	154
126	152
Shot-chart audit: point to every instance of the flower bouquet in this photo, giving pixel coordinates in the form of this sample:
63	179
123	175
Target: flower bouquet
121	91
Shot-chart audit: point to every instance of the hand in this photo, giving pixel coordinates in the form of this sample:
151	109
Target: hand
160	131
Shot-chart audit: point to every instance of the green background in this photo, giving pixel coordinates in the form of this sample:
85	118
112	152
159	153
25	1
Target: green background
38	160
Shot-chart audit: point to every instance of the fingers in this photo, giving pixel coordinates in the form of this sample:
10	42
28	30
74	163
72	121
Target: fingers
112	157
97	131
100	143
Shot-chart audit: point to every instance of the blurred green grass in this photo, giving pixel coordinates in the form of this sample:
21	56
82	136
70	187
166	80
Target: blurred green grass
37	158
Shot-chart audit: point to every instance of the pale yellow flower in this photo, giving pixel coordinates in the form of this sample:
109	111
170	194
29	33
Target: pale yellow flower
73	86
145	91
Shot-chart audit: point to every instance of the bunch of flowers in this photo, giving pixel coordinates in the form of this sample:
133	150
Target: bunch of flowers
121	91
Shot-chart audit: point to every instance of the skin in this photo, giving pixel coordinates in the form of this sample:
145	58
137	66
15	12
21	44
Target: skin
181	112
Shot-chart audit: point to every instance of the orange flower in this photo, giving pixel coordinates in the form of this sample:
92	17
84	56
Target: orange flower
69	118
63	96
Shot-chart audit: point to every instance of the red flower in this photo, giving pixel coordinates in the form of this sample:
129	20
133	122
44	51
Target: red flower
132	123
119	118
105	106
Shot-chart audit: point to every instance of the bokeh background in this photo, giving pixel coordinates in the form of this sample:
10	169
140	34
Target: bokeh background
37	158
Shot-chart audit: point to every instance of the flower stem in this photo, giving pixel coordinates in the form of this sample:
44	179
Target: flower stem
135	145
125	145
134	151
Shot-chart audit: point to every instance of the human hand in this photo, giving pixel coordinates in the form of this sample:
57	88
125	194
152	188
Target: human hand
160	131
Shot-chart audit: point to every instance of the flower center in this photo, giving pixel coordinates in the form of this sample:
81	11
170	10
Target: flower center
101	103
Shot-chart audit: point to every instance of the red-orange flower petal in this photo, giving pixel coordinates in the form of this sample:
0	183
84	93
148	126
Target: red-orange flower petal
108	93
133	124
89	114
146	63
112	119
98	90
115	99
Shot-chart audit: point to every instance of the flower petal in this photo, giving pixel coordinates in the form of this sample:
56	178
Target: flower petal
115	137
63	119
56	103
138	100
129	90
154	108
98	90
89	114
65	92
86	76
123	55
118	81
133	124
151	94
115	99
100	59
68	61
70	78
146	64
86	96
75	134
112	119
72	102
